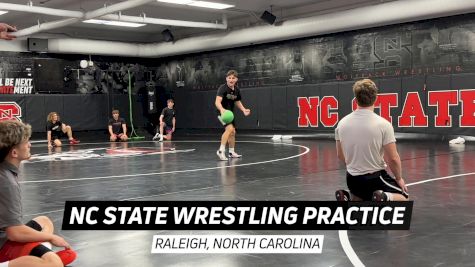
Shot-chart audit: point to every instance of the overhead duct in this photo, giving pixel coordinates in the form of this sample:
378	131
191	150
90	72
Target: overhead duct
359	18
88	15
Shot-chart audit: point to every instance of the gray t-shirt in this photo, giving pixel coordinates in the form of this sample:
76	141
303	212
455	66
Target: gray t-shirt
362	135
10	199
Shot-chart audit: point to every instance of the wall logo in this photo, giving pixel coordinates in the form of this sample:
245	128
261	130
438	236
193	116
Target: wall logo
10	111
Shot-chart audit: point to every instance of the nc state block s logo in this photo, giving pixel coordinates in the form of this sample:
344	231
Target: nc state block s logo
10	111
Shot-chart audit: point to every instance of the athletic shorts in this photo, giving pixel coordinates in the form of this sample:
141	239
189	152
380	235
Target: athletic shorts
167	128
364	185
12	250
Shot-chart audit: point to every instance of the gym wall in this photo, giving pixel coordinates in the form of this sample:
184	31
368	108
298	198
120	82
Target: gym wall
286	84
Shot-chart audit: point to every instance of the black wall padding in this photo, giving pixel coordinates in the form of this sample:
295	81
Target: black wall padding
251	99
389	86
263	108
279	107
82	112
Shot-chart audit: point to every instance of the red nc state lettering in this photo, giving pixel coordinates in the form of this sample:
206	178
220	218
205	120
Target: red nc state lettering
443	100
329	119
412	113
308	111
467	97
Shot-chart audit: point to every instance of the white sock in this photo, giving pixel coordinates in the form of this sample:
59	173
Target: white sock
47	244
4	264
231	150
390	196
222	148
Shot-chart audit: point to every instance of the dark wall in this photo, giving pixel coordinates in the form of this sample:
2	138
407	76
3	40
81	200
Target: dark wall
277	108
82	112
432	55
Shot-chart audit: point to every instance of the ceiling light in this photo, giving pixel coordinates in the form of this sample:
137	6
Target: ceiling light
205	4
114	23
179	2
210	5
3	12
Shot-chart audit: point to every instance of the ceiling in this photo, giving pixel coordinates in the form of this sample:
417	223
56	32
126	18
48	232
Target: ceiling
245	14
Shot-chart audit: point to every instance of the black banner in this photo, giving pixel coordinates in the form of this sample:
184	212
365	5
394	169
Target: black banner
236	215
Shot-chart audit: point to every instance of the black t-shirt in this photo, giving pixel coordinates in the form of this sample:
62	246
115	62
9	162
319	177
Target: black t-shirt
55	128
168	115
116	125
229	96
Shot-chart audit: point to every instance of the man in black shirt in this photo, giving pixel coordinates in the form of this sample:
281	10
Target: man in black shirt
167	121
117	127
227	95
56	129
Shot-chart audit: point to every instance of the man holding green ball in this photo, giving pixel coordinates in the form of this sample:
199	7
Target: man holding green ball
228	95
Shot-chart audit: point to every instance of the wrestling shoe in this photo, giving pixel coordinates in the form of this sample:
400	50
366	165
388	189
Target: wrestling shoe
221	155
342	195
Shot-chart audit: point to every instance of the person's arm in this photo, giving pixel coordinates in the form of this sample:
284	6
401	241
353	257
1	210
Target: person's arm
394	163
48	137
173	122
339	151
161	118
218	105
242	108
110	130
124	128
5	31
26	234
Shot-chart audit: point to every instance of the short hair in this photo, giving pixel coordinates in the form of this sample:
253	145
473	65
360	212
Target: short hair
115	111
170	100
365	92
232	72
12	133
50	116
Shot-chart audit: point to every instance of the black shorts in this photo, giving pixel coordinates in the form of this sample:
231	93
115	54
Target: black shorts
364	185
57	135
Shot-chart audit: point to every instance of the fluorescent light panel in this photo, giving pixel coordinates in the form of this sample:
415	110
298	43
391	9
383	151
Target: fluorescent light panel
205	4
178	2
3	12
210	5
114	23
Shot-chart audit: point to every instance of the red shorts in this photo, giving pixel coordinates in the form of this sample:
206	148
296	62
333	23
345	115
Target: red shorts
12	250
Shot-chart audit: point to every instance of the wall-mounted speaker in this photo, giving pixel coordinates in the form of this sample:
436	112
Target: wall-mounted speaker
37	45
268	17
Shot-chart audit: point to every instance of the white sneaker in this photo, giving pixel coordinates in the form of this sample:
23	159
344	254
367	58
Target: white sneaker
234	155
161	138
221	155
157	136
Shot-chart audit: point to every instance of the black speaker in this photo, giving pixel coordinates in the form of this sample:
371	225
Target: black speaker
37	45
268	17
167	35
152	100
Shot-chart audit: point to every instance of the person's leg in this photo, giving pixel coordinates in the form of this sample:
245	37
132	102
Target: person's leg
68	131
113	138
232	144
49	259
224	140
162	125
57	142
124	137
388	189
